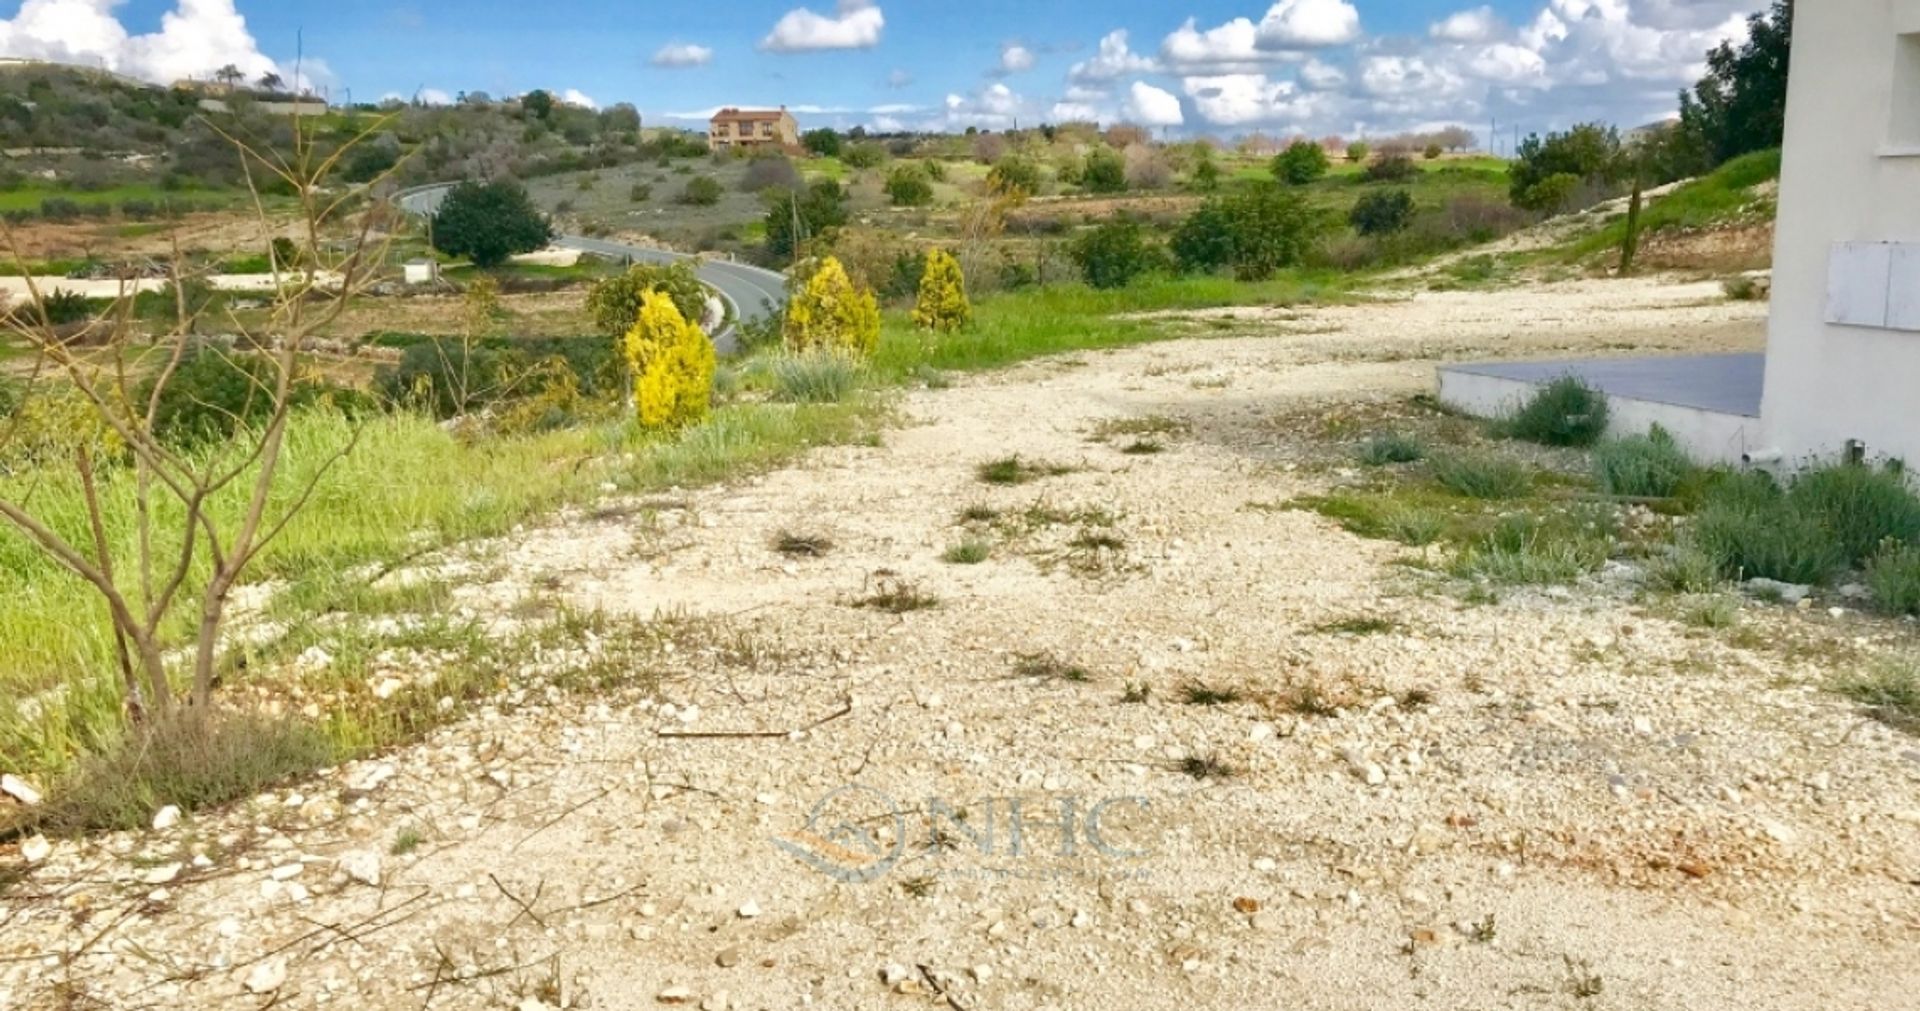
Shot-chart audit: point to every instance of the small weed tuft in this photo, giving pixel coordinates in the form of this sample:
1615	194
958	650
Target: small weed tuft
1390	448
1712	610
1137	693
797	545
1012	470
1047	667
1144	447
968	552
1357	626
979	513
897	596
406	841
1149	425
1197	694
1207	767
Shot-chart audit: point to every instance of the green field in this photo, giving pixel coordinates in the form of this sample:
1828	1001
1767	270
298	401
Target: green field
30	198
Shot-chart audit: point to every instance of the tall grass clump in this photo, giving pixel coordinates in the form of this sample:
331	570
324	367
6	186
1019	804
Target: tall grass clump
1894	578
1751	531
1528	550
820	378
1861	507
1567	412
1482	476
1641	466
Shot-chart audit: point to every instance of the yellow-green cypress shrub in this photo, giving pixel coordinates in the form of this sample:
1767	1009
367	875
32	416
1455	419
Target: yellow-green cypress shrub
829	313
943	302
672	365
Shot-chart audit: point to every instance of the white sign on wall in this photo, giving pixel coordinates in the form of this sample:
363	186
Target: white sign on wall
1874	284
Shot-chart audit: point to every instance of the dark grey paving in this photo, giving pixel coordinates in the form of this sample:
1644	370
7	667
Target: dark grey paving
1727	384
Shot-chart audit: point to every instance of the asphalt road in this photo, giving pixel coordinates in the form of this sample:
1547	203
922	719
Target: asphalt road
753	292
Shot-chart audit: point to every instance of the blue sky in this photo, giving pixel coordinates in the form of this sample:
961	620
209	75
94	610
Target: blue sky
1225	67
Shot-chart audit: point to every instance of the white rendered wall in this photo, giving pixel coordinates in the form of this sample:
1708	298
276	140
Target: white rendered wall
1851	174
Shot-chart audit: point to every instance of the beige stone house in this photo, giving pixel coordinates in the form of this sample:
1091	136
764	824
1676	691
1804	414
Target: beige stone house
748	128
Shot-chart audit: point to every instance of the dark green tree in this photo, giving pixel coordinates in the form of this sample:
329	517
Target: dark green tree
793	216
1301	163
488	222
1589	153
1113	254
1105	172
1382	213
908	186
823	142
538	103
1741	105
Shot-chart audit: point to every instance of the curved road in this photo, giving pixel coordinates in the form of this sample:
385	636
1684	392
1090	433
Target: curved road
752	291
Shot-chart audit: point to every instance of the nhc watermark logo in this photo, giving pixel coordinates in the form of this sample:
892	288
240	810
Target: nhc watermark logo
858	834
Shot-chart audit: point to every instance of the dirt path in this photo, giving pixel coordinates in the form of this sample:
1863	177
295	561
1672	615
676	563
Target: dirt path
1549	802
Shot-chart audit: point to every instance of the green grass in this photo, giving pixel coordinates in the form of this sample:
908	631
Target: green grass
408	484
29	198
816	378
1528	550
1016	326
1714	199
1482	476
1890	691
1012	470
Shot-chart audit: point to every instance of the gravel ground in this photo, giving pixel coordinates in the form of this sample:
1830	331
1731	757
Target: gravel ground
1557	801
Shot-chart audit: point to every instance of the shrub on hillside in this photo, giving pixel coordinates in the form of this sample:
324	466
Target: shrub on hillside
62	306
615	302
701	191
1394	168
1567	412
489	222
908	186
1358	151
1014	175
824	142
829	313
672	365
864	156
1301	163
1641	466
1105	171
793	217
214	393
942	304
1383	213
768	172
1114	253
1257	230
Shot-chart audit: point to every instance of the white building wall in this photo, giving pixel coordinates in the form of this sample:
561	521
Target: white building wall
1851	174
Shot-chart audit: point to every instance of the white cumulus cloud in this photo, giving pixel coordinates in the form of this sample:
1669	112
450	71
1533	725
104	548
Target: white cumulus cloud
1114	60
195	38
1151	106
681	55
1014	59
1228	47
1309	24
574	96
855	24
1480	24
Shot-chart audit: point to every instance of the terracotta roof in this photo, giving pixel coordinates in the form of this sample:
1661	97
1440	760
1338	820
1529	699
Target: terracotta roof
747	115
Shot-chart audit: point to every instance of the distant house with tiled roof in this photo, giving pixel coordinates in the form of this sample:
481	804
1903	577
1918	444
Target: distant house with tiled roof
737	128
